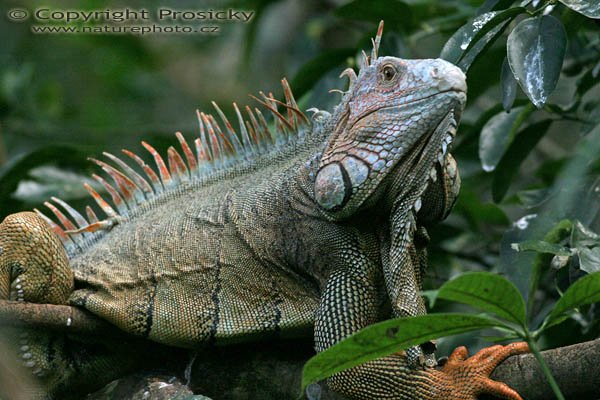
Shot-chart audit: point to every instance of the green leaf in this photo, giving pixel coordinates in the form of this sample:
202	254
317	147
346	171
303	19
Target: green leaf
589	8
534	197
467	42
388	337
480	45
516	153
536	49
557	234
312	71
430	295
498	133
47	181
584	291
509	86
458	43
541	246
589	259
478	213
397	14
588	80
481	76
19	168
486	291
582	236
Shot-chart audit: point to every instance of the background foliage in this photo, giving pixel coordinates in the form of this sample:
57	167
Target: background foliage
528	146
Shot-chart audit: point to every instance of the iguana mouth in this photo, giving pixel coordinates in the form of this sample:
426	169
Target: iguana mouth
412	102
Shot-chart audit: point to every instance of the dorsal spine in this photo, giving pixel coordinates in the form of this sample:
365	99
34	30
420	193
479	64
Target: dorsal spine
218	147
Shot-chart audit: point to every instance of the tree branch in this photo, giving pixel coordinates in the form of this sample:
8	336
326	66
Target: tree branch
60	318
576	368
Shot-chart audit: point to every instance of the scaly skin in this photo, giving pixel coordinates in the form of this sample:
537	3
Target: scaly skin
328	230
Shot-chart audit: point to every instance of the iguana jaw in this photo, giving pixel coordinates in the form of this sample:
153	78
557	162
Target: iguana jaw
413	174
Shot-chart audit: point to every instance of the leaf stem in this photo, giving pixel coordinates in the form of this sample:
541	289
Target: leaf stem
538	356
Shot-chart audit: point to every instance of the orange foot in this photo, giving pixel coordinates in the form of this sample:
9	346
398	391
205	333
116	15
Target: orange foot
467	378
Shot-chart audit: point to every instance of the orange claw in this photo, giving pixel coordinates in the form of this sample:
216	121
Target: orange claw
469	377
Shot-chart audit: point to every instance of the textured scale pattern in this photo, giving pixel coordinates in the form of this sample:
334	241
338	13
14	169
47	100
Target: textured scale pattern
25	242
218	149
264	231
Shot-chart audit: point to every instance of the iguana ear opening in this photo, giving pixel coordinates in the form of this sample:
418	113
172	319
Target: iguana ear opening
332	187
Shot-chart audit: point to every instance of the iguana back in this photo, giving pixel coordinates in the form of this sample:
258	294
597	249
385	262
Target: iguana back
206	261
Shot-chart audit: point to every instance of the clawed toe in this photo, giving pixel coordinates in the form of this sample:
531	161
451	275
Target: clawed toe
470	376
494	355
459	354
500	390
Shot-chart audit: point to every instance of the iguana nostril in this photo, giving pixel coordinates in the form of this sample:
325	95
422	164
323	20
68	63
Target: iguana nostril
452	79
332	186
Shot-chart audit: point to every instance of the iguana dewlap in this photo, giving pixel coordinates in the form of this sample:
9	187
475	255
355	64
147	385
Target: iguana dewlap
270	231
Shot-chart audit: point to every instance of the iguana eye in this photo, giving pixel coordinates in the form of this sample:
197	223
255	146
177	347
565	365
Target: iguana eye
388	73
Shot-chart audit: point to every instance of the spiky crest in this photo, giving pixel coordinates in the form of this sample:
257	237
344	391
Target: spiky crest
363	62
219	146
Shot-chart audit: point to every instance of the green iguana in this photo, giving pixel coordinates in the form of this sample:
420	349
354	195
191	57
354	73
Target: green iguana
267	230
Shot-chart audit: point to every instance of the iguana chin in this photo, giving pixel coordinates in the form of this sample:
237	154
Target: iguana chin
269	231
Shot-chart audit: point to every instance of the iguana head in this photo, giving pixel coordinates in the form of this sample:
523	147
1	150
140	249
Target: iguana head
393	114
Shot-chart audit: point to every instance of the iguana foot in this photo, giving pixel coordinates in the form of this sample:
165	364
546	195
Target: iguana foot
466	378
34	268
33	263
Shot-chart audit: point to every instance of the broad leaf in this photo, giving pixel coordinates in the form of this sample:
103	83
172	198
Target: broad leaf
466	43
480	45
516	153
486	291
541	246
430	295
587	243
536	49
589	8
582	236
559	232
509	86
388	337
589	259
19	168
534	197
498	133
47	181
479	213
584	291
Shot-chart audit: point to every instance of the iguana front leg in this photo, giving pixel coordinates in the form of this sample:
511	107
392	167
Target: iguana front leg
404	256
351	302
